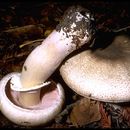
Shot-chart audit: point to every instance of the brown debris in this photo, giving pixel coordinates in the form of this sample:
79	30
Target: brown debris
84	112
105	118
126	114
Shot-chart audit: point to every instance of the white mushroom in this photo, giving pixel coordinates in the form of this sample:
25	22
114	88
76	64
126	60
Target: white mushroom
103	74
74	31
51	103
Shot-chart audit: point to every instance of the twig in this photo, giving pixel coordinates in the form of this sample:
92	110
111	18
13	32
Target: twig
121	29
30	42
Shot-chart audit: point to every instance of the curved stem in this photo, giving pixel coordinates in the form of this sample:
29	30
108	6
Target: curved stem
74	31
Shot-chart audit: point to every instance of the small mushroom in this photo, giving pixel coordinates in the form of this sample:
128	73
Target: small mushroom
24	105
103	74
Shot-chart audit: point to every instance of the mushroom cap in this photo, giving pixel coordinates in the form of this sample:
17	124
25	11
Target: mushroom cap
35	116
103	74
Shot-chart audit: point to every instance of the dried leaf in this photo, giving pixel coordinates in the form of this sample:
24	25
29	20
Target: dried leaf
84	112
105	118
126	115
47	32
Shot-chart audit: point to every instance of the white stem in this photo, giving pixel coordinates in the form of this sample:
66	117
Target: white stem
44	59
25	97
71	34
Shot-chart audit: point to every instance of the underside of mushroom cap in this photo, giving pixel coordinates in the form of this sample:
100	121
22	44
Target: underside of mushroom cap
52	101
103	74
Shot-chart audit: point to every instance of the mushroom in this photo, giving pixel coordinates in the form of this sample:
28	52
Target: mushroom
51	103
103	74
22	100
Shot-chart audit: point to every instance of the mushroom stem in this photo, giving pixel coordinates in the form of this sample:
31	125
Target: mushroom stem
44	59
25	97
74	31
